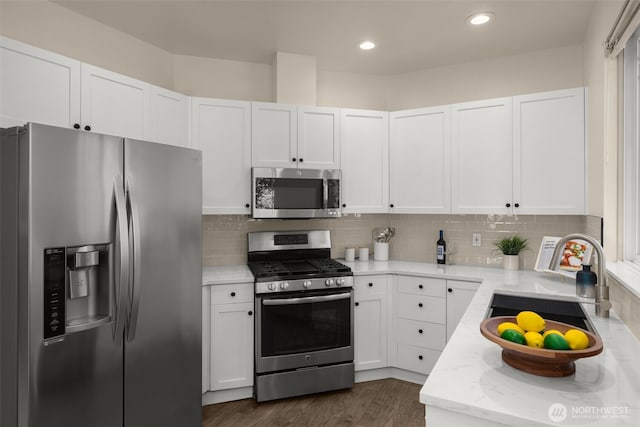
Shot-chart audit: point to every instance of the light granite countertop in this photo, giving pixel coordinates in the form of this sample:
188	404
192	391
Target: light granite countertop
470	378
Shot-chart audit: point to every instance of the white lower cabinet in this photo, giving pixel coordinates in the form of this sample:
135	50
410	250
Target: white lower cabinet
420	322
231	345
459	295
370	322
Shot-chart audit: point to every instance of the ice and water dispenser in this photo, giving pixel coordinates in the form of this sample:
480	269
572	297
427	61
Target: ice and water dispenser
77	288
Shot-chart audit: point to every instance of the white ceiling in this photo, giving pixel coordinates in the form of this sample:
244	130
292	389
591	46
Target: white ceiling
410	35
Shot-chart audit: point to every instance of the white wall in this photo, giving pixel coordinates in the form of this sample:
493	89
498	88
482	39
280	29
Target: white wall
349	90
219	78
52	27
538	71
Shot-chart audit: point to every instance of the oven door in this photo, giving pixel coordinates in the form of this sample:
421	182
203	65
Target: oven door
303	329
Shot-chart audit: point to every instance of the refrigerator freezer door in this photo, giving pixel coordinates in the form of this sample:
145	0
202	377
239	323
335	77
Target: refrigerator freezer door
66	199
163	337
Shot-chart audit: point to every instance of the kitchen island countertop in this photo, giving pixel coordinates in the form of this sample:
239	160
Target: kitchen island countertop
471	382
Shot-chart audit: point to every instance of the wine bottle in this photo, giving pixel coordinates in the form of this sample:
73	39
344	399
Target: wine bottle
441	248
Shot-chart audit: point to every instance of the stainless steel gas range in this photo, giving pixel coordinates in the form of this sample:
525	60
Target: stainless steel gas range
304	315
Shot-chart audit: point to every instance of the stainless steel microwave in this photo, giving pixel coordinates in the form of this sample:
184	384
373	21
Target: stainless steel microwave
295	193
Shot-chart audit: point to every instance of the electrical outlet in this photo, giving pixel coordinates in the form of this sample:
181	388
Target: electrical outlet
477	240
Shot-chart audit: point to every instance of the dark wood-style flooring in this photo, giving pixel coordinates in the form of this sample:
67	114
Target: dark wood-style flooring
387	403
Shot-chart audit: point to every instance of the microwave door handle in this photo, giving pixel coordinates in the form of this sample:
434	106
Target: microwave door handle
306	300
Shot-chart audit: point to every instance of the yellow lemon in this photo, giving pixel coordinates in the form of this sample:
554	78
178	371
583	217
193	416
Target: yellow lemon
530	321
509	325
577	339
534	339
551	331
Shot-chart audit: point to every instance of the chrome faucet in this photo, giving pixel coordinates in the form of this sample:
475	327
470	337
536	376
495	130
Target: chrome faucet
603	305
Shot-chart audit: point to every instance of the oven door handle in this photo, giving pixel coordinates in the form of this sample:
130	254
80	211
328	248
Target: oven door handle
306	300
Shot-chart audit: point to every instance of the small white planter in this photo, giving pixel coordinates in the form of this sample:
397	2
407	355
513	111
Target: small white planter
511	262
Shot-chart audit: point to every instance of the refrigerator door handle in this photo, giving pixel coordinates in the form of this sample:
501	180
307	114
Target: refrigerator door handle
135	283
123	277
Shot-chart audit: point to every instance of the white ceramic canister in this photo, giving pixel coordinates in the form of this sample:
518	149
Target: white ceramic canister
349	254
363	254
380	251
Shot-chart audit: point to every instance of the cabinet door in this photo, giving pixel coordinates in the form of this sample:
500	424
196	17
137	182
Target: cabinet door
482	157
549	155
169	117
37	86
459	295
365	161
370	323
419	161
222	130
231	346
114	104
370	337
274	135
318	138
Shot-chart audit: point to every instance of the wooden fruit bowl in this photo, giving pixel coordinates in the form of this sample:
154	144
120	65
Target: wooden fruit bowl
540	361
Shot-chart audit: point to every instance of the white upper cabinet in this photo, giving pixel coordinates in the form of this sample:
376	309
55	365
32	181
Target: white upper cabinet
419	161
274	130
114	104
549	152
318	138
37	86
482	157
290	136
169	117
365	161
222	130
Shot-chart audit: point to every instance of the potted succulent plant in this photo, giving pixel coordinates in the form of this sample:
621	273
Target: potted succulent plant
510	248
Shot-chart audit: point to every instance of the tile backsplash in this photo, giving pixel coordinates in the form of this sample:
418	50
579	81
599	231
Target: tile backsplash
225	236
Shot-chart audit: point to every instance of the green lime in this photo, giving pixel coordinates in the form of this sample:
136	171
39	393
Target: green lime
556	342
513	336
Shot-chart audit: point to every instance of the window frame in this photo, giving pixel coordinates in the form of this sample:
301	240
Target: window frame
631	147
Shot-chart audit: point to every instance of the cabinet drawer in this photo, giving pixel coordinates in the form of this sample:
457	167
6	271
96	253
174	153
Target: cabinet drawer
370	285
232	293
422	334
417	359
422	308
422	286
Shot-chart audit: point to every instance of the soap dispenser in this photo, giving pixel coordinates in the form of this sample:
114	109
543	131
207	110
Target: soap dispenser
585	282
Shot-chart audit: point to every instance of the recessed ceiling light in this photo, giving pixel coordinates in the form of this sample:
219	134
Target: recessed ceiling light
480	18
367	45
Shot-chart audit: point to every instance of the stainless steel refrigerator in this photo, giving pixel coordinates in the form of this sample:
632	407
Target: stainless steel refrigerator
100	304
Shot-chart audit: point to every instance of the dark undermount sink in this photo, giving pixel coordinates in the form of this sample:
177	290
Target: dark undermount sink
570	312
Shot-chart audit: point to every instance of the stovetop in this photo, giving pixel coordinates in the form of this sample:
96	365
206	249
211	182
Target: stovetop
295	261
298	269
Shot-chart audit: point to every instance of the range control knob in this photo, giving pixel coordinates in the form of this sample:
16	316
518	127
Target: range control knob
339	282
284	285
307	284
272	286
328	282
